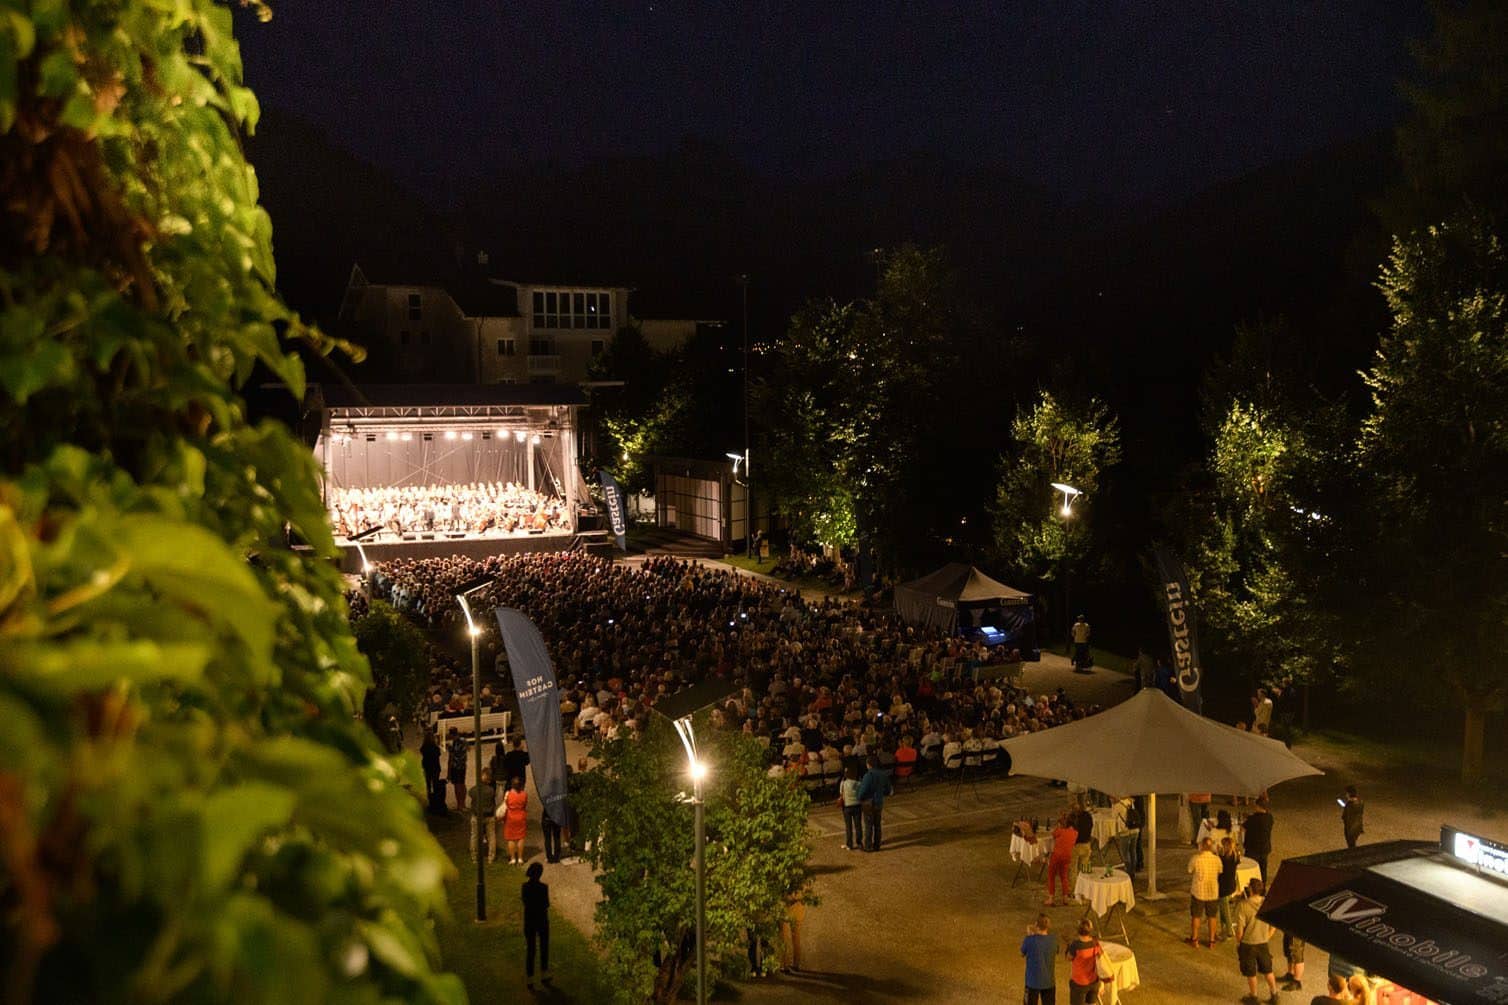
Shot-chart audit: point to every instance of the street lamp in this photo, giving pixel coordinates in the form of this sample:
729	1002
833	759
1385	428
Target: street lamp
743	459
1070	495
475	632
679	709
366	567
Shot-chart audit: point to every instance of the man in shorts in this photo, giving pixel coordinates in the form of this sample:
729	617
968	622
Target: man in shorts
1293	951
1204	891
1253	938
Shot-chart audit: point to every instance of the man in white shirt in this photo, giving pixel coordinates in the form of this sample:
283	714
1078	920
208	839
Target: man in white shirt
1261	719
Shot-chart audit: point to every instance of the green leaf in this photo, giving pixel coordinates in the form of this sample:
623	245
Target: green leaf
192	567
88	665
238	817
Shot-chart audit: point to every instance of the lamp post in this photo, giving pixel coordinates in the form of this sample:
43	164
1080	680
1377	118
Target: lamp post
743	459
697	769
475	632
743	281
679	708
1070	495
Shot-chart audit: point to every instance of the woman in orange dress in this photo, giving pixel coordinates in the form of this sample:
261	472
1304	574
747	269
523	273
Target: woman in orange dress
515	820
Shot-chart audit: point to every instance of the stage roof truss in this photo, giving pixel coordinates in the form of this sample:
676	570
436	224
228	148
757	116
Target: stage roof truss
459	416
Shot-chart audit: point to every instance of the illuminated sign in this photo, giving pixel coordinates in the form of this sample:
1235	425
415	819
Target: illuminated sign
1477	852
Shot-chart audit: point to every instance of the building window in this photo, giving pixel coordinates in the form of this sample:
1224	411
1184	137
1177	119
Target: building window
597	346
415	307
575	310
541	347
506	347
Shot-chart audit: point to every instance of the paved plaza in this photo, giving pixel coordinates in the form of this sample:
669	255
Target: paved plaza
934	916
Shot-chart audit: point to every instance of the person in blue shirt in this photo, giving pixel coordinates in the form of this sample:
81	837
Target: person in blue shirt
1041	951
873	789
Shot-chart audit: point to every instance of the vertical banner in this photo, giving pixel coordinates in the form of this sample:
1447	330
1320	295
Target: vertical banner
538	709
1183	629
613	493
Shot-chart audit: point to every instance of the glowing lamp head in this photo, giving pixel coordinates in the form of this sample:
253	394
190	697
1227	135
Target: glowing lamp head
366	567
698	770
474	631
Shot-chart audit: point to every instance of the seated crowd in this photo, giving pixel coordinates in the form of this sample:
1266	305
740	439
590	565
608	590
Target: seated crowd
821	682
477	508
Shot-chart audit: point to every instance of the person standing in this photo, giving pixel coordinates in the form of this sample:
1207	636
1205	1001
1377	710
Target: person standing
1351	812
1293	952
1167	683
552	834
1081	659
1204	892
853	810
1064	837
1229	860
1257	835
1144	670
1083	824
1261	713
515	761
515	810
484	819
429	757
1040	950
873	789
1083	975
1199	810
536	923
790	932
1253	938
456	769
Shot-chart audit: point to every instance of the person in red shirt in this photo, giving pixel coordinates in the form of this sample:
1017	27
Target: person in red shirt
1083	975
1064	837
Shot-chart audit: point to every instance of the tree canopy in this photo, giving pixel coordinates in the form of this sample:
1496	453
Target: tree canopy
757	850
190	809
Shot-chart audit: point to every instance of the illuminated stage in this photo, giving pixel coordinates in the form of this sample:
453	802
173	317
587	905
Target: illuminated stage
426	470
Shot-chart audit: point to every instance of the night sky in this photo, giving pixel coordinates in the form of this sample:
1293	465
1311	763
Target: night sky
1122	101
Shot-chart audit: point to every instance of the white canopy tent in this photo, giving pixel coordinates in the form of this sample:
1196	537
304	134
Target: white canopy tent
1150	744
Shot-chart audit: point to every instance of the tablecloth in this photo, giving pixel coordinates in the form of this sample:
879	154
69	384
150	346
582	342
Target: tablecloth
1103	893
1023	850
1106	825
1246	871
1127	978
1208	824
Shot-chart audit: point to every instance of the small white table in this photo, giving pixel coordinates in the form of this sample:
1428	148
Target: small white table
1127	978
1246	871
1106	825
1027	854
1102	894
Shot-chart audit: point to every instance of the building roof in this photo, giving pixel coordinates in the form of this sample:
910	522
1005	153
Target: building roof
439	395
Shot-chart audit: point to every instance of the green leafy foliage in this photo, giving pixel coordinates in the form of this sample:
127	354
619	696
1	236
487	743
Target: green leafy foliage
1434	448
189	808
757	850
399	657
1053	441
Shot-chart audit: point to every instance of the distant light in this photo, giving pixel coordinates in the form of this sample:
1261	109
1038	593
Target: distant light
534	439
391	436
625	455
406	437
1066	510
743	614
698	770
366	566
502	432
466	435
450	434
519	435
1067	490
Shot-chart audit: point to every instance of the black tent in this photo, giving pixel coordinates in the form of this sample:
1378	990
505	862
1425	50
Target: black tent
959	596
1410	911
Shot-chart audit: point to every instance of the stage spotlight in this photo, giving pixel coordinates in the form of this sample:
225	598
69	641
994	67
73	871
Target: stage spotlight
450	434
405	437
519	434
502	432
535	439
391	436
466	435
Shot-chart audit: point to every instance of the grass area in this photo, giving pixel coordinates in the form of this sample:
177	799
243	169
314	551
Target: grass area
766	567
1400	752
489	957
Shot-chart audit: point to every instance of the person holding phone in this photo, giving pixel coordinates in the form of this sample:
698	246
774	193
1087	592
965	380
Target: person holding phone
1351	812
1040	950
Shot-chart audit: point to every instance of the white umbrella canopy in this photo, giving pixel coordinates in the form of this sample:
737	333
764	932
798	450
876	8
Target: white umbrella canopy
1150	743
